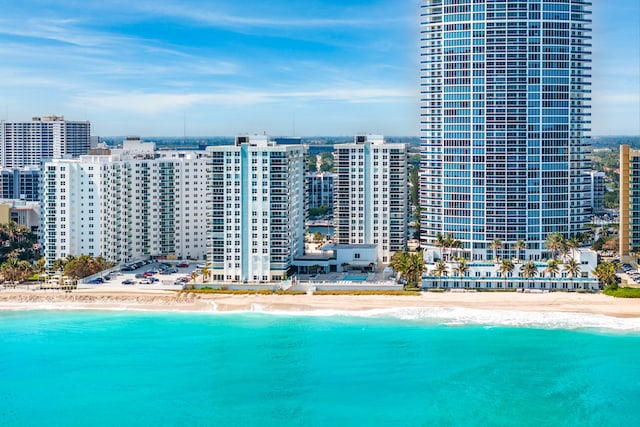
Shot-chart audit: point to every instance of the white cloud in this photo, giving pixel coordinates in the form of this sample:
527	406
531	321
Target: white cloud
153	103
227	20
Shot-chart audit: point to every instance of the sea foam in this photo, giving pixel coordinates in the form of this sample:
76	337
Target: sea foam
458	316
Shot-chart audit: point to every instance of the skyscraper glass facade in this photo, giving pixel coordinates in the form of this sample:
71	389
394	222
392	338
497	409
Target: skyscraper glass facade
504	122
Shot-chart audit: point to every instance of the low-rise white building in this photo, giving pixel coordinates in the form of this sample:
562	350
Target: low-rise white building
487	275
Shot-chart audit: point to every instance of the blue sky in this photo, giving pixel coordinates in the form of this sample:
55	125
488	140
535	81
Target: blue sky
313	67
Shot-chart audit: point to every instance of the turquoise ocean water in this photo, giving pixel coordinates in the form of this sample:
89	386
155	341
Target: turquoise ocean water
60	368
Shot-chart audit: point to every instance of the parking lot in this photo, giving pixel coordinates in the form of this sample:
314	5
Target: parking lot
159	275
631	276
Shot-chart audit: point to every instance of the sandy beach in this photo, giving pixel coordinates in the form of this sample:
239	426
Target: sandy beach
557	302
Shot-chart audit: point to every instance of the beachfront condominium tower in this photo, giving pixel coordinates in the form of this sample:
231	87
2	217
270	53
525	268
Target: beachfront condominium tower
370	199
257	209
629	229
48	137
504	121
131	204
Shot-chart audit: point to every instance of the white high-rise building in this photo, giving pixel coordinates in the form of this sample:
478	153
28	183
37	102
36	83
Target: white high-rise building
257	210
131	204
370	200
504	123
48	137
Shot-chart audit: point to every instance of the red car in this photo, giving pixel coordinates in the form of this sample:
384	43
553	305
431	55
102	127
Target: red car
183	265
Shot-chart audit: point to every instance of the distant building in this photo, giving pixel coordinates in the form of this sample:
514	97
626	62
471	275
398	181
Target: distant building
21	212
629	203
257	209
20	184
134	203
370	194
320	190
48	137
597	192
288	140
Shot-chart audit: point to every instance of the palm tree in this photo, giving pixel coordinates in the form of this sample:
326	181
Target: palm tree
572	268
553	267
16	271
506	267
194	276
39	267
398	262
455	244
554	243
564	251
572	244
495	245
441	242
58	265
410	265
529	270
606	272
520	245
205	273
440	269
462	268
415	269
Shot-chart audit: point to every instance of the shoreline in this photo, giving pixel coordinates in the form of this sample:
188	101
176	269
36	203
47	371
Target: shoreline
155	300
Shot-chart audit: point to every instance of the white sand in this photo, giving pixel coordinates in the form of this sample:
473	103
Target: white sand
556	302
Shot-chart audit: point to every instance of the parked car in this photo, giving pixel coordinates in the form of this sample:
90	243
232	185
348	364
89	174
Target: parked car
128	268
139	276
96	281
153	279
183	265
145	282
128	282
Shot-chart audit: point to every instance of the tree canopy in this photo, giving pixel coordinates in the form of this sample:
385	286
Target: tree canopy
410	265
17	241
14	270
83	266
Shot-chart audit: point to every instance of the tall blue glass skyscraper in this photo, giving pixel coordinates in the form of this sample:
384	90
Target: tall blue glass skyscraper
504	122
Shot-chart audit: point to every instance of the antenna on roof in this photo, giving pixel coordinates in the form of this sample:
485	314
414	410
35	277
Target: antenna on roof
184	126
